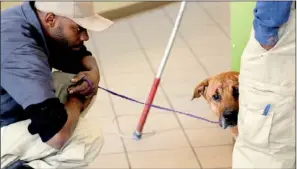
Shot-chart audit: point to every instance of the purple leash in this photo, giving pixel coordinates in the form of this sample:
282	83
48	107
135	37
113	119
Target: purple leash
158	107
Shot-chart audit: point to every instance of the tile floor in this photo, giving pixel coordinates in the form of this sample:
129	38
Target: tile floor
129	54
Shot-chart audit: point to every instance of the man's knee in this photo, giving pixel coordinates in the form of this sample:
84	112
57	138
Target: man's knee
61	83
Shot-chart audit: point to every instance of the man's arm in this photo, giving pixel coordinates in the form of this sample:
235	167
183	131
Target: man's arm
70	61
87	61
83	64
90	64
73	108
269	16
90	71
26	77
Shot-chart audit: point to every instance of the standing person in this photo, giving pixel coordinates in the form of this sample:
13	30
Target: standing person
41	113
266	121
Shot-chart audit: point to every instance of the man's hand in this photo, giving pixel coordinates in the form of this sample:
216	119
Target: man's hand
85	88
267	47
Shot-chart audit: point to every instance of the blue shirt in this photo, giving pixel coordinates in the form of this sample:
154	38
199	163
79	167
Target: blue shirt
268	17
27	61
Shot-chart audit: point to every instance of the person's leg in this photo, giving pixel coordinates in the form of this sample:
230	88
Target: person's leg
83	147
267	77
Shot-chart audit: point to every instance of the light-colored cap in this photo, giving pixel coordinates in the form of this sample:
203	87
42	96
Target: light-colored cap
81	13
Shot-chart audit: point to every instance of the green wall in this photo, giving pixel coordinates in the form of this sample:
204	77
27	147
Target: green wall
241	24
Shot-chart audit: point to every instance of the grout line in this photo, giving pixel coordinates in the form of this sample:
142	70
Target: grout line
217	23
163	130
107	154
197	58
206	71
110	99
145	55
166	96
168	149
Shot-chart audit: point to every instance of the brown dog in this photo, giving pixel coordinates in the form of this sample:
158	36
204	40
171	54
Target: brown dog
221	93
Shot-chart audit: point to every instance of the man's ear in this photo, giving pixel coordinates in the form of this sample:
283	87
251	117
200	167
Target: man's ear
200	89
50	19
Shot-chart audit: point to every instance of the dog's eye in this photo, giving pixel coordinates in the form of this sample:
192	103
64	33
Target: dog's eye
235	92
216	97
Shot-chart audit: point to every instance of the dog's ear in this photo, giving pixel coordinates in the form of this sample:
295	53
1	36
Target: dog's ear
200	89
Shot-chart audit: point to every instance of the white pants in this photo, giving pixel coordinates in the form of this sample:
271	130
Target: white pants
82	148
267	77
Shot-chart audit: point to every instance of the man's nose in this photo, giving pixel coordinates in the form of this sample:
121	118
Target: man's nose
84	36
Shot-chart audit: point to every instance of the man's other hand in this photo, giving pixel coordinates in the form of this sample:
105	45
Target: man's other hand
88	85
267	47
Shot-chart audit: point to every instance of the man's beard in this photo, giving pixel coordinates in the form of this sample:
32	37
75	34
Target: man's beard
62	41
60	38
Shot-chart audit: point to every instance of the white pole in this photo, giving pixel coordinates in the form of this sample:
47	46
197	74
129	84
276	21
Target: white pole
138	133
171	39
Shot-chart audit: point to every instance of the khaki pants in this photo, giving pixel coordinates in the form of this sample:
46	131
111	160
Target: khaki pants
267	77
83	147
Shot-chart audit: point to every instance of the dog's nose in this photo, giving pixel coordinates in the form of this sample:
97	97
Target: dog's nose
230	115
230	112
228	119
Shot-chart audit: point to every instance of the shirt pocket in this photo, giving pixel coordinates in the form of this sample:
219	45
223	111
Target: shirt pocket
256	123
256	126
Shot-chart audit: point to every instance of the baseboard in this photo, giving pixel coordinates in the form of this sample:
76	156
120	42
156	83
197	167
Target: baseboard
132	9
